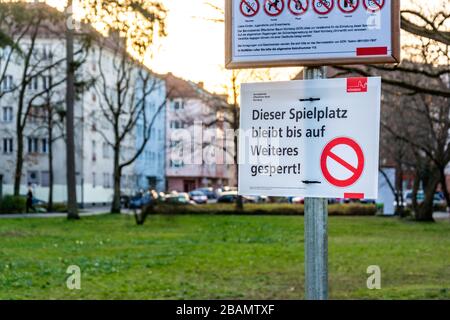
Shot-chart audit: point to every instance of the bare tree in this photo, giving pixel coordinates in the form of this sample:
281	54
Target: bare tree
433	26
125	94
422	85
35	65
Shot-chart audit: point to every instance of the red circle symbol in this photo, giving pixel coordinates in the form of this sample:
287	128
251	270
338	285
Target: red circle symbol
329	154
273	7
249	8
348	6
374	5
323	6
298	7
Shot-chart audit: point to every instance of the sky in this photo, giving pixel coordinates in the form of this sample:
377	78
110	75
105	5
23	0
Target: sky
194	47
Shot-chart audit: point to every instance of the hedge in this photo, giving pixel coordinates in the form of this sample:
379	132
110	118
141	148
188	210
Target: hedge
265	209
12	204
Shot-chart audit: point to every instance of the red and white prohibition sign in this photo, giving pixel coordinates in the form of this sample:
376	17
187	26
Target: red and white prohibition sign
348	6
323	6
249	8
298	7
342	162
273	7
374	5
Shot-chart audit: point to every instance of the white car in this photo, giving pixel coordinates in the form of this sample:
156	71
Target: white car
198	197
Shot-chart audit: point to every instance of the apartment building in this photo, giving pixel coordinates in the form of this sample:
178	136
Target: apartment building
93	127
197	151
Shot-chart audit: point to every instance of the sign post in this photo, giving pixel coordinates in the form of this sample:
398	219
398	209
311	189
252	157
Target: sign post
316	139
313	139
316	230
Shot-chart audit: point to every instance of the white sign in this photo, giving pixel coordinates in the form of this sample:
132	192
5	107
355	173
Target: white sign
304	32
312	138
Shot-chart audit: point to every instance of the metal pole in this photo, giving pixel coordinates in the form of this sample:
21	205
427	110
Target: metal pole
316	231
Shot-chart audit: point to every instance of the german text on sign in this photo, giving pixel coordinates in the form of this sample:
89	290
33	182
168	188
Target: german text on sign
263	33
314	138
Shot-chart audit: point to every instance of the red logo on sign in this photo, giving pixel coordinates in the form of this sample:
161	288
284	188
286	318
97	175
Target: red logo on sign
372	51
357	85
249	8
323	6
355	170
274	7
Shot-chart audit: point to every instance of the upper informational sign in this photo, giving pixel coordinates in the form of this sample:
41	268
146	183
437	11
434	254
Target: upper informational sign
270	33
312	138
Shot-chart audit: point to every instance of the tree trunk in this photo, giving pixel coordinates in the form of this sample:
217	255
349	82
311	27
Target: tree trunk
239	200
115	207
72	210
19	135
400	191
19	163
415	190
425	210
50	165
444	187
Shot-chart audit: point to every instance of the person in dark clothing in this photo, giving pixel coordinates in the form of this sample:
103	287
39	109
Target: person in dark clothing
30	199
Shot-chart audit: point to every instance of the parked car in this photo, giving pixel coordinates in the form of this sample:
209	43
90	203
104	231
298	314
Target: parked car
438	200
198	197
140	201
209	192
228	197
179	198
228	189
231	197
297	200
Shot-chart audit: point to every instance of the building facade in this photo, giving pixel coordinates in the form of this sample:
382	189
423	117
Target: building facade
197	150
150	165
44	97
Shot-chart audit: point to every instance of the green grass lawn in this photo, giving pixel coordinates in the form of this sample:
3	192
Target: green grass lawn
218	257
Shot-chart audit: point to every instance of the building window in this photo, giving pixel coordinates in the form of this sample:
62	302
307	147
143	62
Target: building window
106	181
37	114
160	157
44	145
178	105
176	163
33	84
33	177
8	145
47	82
33	144
160	135
7	114
94	180
94	148
47	53
7	83
106	149
175	124
45	179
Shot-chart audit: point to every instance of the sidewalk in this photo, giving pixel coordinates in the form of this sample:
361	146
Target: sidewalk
441	216
94	211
